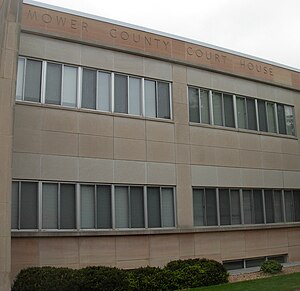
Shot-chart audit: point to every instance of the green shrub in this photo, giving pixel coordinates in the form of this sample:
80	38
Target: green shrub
271	267
45	279
102	278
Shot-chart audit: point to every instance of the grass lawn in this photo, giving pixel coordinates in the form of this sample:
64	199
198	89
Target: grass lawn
281	282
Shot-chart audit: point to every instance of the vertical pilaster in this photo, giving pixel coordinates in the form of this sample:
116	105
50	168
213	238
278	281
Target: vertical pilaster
9	44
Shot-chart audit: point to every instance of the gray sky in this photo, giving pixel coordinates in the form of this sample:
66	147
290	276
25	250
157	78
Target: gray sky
268	29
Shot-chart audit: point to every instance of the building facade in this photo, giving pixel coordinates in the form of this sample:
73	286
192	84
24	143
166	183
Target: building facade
134	148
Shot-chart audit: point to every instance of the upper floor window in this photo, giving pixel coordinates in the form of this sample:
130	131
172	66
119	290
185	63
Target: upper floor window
223	109
53	83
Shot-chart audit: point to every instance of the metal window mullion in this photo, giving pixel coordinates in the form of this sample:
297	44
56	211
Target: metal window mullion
19	208
218	207
112	84
77	206
264	206
170	100
58	207
256	113
62	83
242	206
40	206
211	113
79	86
95	207
143	101
43	82
113	212
276	118
145	206
235	111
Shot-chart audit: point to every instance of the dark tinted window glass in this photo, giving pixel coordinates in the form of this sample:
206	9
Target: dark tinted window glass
163	100
251	113
137	207
194	105
89	78
153	201
67	206
262	116
281	119
224	206
121	94
103	207
33	81
211	207
53	84
228	110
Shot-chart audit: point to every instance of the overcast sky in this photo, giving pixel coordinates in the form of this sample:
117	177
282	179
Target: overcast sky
268	29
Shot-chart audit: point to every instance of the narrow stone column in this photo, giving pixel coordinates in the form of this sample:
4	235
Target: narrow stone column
10	12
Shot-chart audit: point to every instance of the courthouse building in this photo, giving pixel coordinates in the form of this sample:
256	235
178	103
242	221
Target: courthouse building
127	147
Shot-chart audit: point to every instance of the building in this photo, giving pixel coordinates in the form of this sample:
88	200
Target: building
127	147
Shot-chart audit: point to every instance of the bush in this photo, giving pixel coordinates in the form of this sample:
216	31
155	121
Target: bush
271	267
45	279
176	275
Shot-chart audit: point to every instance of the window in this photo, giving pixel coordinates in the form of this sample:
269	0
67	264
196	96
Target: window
157	99
273	206
199	105
58	206
229	206
223	109
24	205
205	207
289	120
262	116
160	207
292	205
271	117
246	113
253	206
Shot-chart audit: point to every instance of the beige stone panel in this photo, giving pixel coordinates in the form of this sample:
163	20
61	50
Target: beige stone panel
164	247
273	179
250	159
5	279
202	136
59	168
27	140
12	31
6	88
294	254
29	117
180	113
184	206
59	251
291	179
203	155
232	245
126	63
97	58
6	124
227	157
179	74
186	246
32	45
183	154
249	141
132	248
270	144
252	178
95	124
129	172
26	166
284	95
95	170
229	177
290	162
256	240
227	139
294	236
9	64
129	128
5	253
129	149
223	83
207	244
161	174
199	78
60	120
265	91
245	87
278	238
62	51
5	158
132	264
95	146
59	143
160	152
159	131
157	69
180	94
182	134
4	218
289	146
272	161
204	176
24	251
97	251
183	174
